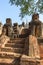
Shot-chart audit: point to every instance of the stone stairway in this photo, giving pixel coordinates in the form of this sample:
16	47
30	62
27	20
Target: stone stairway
15	53
10	54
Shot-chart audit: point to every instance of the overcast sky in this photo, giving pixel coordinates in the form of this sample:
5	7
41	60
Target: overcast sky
8	11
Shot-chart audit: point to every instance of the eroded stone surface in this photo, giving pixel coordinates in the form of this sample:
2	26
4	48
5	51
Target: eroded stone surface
3	40
33	47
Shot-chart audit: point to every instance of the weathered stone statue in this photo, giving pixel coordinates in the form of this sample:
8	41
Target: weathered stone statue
16	30
35	25
8	27
3	38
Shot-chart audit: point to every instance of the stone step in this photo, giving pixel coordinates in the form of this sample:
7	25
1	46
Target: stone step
6	64
9	61
16	40
4	60
4	55
9	49
10	54
13	42
14	45
28	60
8	58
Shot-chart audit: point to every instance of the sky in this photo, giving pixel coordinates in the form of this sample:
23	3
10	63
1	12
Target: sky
8	11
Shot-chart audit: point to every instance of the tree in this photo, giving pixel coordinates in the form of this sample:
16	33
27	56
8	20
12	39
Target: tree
28	7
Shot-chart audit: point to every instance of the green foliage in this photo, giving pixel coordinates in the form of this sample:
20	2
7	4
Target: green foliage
28	7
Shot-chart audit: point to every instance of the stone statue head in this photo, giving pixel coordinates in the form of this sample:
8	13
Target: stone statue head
9	21
35	17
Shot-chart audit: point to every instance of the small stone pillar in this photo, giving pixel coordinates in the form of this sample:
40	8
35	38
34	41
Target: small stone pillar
33	47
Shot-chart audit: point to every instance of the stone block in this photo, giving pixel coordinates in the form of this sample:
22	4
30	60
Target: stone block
33	47
26	60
